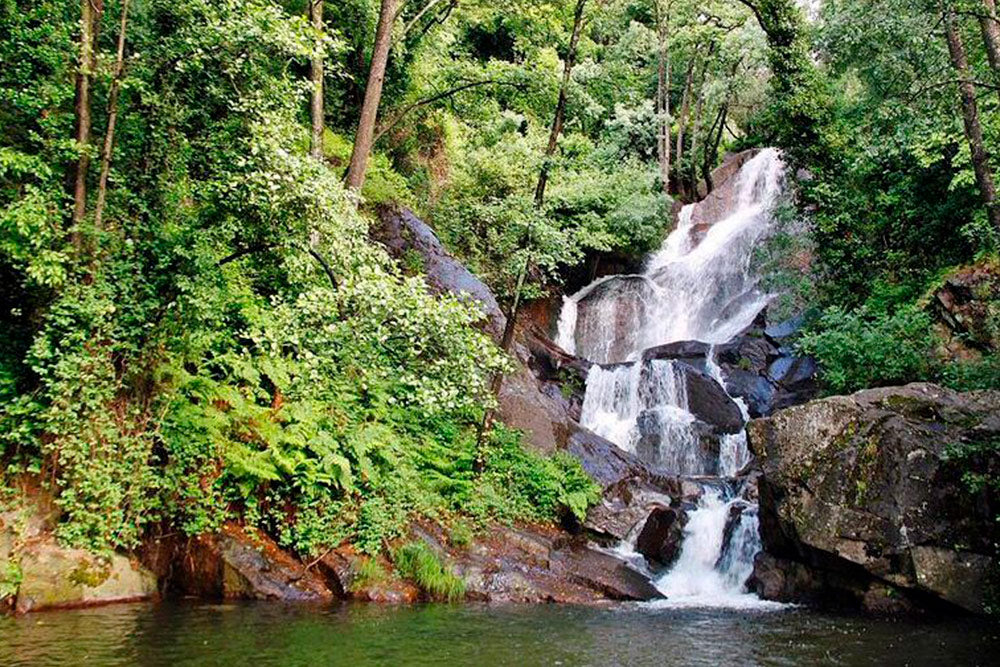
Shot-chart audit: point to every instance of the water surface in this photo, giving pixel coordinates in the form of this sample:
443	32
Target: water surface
356	634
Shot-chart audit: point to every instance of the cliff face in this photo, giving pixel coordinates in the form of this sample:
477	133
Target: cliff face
866	499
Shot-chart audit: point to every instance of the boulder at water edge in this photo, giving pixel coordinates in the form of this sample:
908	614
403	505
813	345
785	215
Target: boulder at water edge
863	500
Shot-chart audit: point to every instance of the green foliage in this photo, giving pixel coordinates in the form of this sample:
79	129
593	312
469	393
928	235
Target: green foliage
416	562
866	348
519	485
193	362
10	578
369	571
981	374
460	534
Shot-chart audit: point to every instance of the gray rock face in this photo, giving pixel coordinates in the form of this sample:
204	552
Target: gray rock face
860	492
56	577
408	238
755	366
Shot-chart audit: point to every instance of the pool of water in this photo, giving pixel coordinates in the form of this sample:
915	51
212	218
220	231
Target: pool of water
354	634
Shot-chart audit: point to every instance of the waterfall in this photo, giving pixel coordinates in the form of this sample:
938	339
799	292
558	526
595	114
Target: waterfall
699	286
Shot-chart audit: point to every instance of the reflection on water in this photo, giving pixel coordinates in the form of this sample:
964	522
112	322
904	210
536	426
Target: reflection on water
271	634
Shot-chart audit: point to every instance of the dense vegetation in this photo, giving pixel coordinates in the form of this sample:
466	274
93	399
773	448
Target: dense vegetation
197	326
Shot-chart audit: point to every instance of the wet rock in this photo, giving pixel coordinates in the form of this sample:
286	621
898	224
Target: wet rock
709	402
863	489
660	539
411	241
609	317
56	577
692	351
605	573
655	440
603	460
233	564
388	591
721	202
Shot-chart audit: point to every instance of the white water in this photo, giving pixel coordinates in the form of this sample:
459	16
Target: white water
699	286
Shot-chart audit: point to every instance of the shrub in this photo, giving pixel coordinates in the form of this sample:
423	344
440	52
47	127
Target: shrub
860	348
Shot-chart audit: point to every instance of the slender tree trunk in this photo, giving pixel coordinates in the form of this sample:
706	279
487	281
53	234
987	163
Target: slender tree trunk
560	117
712	147
970	117
696	130
990	25
316	108
109	136
682	121
90	19
373	95
663	95
496	384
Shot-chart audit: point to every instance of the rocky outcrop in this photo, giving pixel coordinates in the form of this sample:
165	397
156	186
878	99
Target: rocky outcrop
233	564
537	564
756	366
967	304
415	246
55	577
722	200
37	573
862	497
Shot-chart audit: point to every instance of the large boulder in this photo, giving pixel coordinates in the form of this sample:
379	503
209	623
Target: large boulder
413	243
660	539
865	493
609	317
38	573
55	577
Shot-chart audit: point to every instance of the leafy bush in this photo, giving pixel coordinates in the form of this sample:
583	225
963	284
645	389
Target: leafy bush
861	348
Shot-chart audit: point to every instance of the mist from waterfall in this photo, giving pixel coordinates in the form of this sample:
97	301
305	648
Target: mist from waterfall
700	286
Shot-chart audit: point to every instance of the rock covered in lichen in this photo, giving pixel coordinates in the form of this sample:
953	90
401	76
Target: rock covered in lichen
871	490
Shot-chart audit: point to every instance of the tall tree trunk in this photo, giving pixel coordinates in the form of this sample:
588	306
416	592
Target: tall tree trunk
712	146
696	130
990	25
316	108
90	20
663	94
970	116
373	95
682	121
557	122
109	136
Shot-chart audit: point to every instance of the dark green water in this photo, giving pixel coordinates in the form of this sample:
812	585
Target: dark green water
266	634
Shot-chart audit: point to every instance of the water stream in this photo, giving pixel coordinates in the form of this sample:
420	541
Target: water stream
700	286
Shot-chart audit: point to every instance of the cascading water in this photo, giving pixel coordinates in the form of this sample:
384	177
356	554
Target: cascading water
700	286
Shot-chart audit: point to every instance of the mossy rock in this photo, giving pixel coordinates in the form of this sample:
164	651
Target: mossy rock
56	577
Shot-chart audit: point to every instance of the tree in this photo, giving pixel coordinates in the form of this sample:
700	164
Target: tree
109	136
316	74
364	138
90	21
970	117
560	116
662	17
989	23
